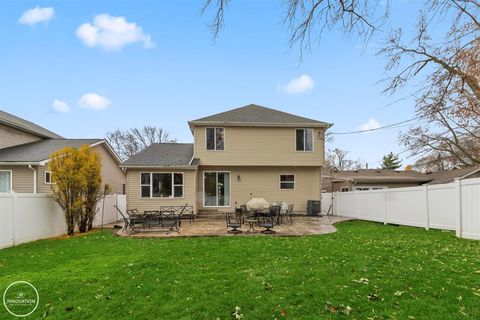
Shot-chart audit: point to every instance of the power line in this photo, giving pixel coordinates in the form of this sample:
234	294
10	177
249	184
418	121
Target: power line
379	128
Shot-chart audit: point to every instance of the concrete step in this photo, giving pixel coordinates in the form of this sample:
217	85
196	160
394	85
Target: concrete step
211	215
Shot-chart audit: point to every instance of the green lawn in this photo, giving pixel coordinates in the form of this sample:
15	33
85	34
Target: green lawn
380	272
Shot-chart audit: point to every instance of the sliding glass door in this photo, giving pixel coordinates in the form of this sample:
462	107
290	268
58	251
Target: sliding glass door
216	189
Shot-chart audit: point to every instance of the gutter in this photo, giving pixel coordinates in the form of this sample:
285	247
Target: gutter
34	178
157	167
24	163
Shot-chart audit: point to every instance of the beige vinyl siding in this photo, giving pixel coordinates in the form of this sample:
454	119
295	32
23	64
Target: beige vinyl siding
11	137
264	182
135	201
111	172
42	187
260	146
22	178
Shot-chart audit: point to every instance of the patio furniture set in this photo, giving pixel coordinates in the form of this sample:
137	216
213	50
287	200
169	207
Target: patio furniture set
259	213
168	217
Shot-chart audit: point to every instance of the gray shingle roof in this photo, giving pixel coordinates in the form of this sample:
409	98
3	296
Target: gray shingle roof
447	176
377	175
253	114
40	150
22	124
163	155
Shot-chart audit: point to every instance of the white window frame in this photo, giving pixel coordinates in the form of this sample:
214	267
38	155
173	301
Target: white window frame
304	139
294	182
230	188
215	139
173	185
11	180
45	177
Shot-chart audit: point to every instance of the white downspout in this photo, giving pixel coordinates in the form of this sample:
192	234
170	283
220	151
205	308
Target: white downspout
34	178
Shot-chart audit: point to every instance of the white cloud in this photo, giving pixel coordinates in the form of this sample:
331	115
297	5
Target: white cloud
112	33
36	15
60	106
370	124
299	85
93	101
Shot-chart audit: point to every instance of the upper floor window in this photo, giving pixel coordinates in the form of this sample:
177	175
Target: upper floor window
215	139
48	177
304	139
5	181
161	185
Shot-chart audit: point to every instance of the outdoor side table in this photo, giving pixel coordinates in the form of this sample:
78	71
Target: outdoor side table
251	223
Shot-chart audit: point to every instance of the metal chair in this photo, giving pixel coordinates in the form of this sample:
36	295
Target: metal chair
268	223
275	212
128	220
289	213
233	223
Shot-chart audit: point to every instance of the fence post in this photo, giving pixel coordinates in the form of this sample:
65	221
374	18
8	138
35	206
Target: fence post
427	209
458	206
385	205
357	207
14	214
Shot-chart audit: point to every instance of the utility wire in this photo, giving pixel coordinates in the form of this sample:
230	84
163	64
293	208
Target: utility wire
379	128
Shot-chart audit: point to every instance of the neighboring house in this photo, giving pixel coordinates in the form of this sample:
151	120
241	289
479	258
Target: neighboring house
247	152
25	149
373	179
447	176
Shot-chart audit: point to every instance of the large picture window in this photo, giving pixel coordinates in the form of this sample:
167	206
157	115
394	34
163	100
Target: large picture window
215	139
5	181
161	185
287	182
304	139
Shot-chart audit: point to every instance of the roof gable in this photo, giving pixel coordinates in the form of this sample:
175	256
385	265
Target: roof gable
255	115
27	126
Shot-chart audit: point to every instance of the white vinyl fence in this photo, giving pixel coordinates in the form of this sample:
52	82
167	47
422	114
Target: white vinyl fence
27	217
451	206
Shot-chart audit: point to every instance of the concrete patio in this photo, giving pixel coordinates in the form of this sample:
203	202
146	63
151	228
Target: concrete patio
211	227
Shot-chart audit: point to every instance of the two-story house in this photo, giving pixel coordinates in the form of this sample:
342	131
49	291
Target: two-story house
25	149
247	152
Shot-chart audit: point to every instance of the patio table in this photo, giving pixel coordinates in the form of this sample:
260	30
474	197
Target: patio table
251	223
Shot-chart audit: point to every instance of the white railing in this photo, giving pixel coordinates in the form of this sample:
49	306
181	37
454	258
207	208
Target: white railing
27	217
451	206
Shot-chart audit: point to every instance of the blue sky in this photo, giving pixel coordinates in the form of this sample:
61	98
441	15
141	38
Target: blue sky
172	71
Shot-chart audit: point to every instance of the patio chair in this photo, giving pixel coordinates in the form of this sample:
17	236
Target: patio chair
151	218
267	222
233	223
177	219
289	214
275	212
127	220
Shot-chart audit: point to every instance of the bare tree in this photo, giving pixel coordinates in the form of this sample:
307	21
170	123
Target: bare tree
307	19
338	159
448	102
131	141
435	161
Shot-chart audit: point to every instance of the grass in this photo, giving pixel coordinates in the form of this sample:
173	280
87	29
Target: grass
364	271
